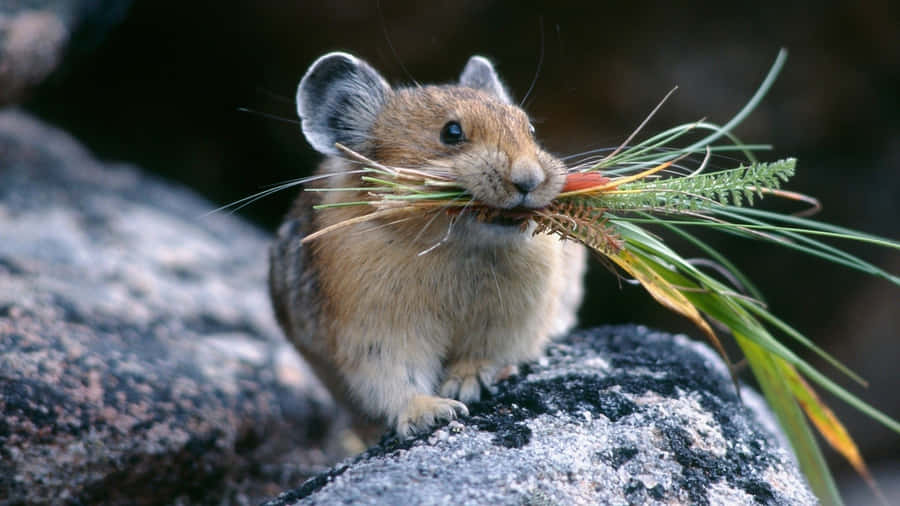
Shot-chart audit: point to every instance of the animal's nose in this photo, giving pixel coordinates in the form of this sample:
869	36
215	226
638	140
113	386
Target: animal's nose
526	175
526	185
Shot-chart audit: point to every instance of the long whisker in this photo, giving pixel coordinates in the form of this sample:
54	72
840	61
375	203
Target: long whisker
274	96
638	129
496	282
246	201
372	228
537	72
438	212
588	152
446	237
394	171
269	115
387	37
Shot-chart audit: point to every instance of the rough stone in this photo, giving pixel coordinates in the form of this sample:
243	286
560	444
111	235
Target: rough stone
139	359
613	415
140	363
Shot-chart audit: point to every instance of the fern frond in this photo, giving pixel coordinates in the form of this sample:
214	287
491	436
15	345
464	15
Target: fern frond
701	191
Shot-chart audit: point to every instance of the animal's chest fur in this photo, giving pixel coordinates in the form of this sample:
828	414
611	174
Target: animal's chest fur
492	291
454	296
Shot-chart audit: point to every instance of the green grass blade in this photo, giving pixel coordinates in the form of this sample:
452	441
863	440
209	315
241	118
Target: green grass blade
805	341
714	254
817	226
792	420
761	312
427	196
656	149
751	104
789	237
815	248
729	310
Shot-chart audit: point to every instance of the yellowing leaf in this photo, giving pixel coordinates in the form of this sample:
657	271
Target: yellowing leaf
665	293
764	365
823	418
826	422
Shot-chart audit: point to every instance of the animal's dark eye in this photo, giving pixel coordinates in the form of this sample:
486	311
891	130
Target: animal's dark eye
531	129
452	133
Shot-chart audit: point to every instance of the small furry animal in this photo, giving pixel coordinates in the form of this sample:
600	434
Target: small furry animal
399	336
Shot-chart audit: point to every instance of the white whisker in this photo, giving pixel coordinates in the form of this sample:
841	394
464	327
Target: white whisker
277	187
497	282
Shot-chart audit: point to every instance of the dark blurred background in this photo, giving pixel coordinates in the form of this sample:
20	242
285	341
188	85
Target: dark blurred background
163	88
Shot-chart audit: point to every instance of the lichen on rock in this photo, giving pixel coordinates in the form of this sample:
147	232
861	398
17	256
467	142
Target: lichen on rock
612	415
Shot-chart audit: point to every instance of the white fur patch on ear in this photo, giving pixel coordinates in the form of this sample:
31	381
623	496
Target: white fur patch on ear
479	73
338	100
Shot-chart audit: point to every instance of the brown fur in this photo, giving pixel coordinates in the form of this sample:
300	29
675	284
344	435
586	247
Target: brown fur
404	337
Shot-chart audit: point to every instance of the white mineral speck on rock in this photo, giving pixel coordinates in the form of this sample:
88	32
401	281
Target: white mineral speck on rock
440	435
597	363
573	436
721	493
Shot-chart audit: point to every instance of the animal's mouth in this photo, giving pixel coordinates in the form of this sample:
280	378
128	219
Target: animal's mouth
508	221
515	217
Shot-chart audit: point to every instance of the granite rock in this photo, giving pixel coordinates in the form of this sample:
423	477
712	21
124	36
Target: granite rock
139	359
613	415
140	363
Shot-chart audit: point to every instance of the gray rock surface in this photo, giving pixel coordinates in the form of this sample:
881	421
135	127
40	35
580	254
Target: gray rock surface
140	363
139	359
614	415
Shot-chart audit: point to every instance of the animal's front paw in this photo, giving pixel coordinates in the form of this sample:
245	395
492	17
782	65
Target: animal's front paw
466	378
423	411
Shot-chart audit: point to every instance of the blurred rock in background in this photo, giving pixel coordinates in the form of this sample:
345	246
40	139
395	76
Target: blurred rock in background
162	90
139	359
37	35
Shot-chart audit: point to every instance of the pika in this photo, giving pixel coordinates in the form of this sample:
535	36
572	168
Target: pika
398	336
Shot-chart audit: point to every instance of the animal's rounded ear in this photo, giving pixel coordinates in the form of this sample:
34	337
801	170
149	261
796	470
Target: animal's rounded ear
338	100
479	73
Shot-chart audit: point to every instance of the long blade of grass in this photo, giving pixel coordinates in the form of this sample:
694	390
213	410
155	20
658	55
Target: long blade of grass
780	398
760	312
665	293
751	104
732	312
714	254
807	224
813	247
